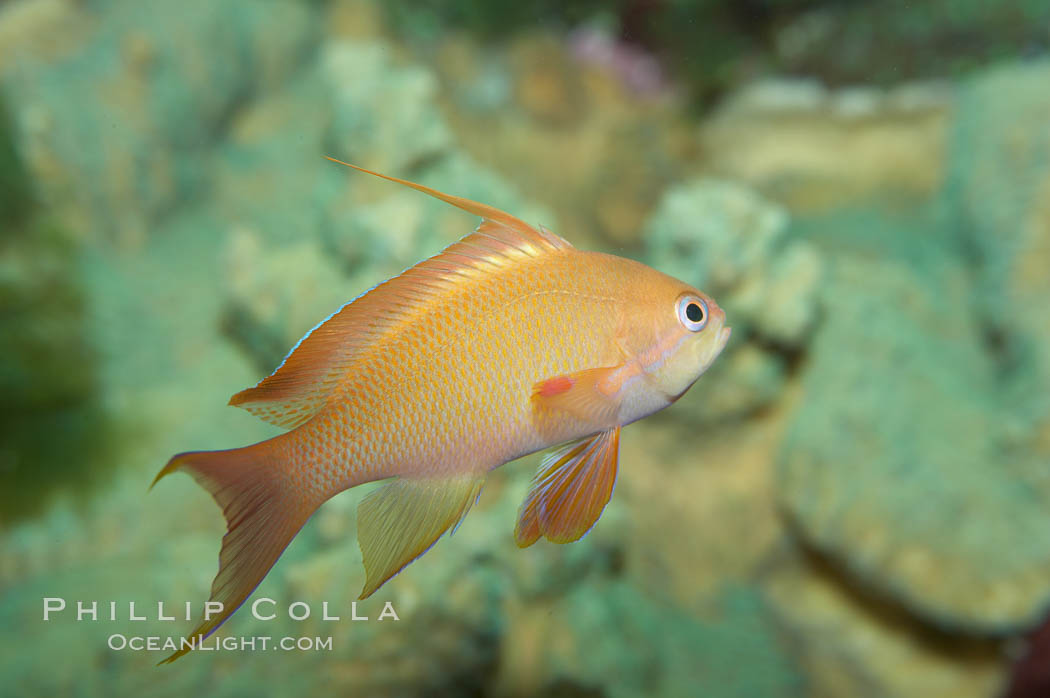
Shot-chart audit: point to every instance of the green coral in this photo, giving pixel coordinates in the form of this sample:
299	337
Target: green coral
712	44
897	465
51	429
15	189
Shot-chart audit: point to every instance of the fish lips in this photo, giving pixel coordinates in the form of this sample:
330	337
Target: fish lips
723	339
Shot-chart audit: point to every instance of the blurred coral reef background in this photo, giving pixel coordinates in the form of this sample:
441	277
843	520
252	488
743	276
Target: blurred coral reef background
855	501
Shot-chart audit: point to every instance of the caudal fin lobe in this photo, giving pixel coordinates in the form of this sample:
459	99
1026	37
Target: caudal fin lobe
263	513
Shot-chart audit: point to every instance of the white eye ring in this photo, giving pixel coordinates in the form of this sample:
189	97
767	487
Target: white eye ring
692	313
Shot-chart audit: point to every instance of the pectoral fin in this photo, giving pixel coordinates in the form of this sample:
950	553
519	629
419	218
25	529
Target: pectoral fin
570	490
591	396
401	520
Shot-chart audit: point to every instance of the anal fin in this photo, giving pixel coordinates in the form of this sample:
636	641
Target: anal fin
401	520
570	490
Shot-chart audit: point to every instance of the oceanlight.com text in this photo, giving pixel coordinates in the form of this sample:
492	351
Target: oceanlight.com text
119	642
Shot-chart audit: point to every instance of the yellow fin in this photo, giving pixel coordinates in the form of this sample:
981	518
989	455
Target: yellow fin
570	490
303	382
401	520
591	395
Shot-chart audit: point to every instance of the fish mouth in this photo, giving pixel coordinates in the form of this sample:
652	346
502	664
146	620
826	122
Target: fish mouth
719	344
723	339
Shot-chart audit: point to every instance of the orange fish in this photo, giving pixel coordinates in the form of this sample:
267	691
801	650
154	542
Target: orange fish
508	342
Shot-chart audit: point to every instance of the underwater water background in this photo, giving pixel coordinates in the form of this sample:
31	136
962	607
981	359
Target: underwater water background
853	501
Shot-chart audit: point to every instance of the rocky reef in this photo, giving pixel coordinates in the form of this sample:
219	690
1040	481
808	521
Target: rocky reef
49	383
853	501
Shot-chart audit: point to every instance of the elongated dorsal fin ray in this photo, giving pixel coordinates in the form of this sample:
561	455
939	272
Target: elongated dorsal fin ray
570	490
490	213
304	381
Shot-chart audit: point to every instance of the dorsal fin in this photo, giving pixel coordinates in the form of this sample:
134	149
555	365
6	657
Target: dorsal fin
300	386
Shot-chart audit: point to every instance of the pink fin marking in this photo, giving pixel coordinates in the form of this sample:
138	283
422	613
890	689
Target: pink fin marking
590	396
554	386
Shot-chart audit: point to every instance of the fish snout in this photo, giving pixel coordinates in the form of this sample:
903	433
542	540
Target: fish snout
719	343
723	337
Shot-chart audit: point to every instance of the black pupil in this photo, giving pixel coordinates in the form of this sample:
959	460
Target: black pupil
694	312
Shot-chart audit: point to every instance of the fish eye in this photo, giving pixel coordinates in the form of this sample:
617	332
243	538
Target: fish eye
692	313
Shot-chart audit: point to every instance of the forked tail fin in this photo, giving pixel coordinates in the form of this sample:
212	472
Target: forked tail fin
263	513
